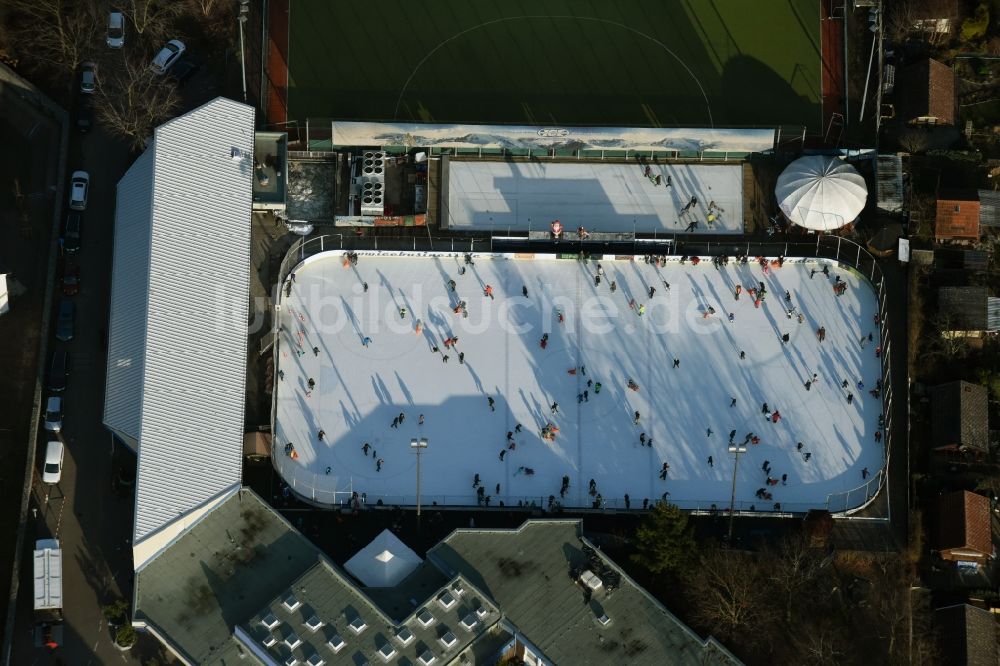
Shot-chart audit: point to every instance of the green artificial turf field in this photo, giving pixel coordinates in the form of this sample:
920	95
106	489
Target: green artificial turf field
686	63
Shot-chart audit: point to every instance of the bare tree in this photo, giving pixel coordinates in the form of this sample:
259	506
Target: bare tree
729	594
914	139
900	20
134	101
793	568
206	8
56	35
152	18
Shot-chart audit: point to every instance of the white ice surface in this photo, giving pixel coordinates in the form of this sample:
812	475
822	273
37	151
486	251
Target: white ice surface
359	390
602	197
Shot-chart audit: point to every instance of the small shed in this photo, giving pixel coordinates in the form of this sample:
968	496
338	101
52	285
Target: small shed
960	418
889	175
964	533
965	311
967	635
957	216
925	93
989	209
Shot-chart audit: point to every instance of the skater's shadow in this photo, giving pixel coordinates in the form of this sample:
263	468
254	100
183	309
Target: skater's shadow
380	389
349	311
351	419
404	389
535	408
388	287
475	377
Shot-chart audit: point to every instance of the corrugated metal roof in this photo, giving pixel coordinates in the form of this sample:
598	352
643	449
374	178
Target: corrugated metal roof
889	171
194	321
993	314
129	281
989	208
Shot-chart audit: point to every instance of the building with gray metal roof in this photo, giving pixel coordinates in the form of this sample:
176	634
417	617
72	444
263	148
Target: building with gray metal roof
179	304
567	603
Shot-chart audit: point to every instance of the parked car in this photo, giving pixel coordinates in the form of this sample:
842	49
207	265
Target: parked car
79	187
184	69
71	279
71	238
84	116
59	371
116	30
54	453
65	322
167	56
88	77
53	414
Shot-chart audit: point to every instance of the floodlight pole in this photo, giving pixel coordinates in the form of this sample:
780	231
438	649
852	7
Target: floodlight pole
735	449
242	18
418	445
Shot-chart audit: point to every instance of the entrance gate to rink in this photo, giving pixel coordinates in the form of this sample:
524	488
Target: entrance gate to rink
846	504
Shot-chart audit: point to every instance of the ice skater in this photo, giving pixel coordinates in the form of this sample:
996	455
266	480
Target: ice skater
365	341
635	421
503	452
365	448
677	363
664	470
378	464
475	481
732	402
491	402
711	463
311	383
651	291
554	407
524	291
402	313
488	291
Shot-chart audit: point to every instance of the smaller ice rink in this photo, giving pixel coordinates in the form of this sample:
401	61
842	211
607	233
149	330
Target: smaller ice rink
601	197
537	386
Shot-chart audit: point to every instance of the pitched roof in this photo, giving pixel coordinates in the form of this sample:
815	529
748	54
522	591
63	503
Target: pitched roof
957	214
989	208
965	306
926	89
968	636
218	573
529	571
960	416
183	236
384	562
964	522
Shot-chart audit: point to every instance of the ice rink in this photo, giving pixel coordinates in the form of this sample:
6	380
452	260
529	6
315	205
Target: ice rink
600	196
686	410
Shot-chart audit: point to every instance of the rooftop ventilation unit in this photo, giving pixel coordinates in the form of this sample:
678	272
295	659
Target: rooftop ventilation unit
291	660
372	183
604	619
358	625
314	623
590	580
446	599
270	621
315	660
427	658
290	602
336	643
469	621
458	589
269	641
482	612
292	640
404	635
425	618
387	652
448	640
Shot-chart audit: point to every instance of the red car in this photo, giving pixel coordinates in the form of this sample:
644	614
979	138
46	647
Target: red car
71	279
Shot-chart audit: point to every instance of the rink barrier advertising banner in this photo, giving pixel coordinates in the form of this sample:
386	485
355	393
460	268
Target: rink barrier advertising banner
561	139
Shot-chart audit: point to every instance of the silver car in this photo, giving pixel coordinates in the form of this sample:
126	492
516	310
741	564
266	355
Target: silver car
53	414
79	186
116	30
88	77
167	56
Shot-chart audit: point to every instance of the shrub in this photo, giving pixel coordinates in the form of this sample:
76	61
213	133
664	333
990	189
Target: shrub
975	27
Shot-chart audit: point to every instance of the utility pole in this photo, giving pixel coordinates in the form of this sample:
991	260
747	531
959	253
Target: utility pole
418	445
242	18
735	449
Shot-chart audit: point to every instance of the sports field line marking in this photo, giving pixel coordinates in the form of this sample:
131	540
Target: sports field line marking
443	43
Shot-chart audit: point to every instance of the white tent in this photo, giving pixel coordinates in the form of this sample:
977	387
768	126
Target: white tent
821	193
4	298
384	562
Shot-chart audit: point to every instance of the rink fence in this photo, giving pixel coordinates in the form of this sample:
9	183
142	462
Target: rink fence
851	503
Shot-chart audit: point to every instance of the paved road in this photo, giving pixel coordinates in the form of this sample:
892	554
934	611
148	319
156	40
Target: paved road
92	521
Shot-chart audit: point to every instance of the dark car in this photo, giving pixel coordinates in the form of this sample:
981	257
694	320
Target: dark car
71	279
71	239
59	371
64	324
84	117
185	68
